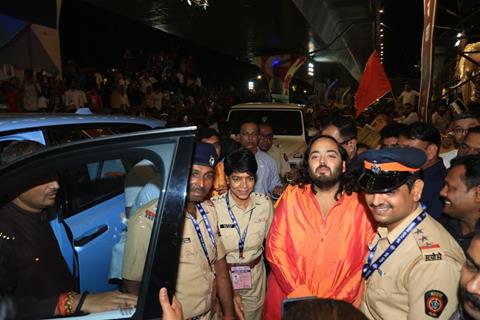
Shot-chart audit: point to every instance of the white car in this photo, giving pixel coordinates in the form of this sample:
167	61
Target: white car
287	121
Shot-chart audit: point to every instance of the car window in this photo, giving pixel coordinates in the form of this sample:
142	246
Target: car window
284	122
91	183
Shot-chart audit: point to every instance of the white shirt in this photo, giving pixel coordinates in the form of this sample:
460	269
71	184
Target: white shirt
75	97
448	156
411	118
409	97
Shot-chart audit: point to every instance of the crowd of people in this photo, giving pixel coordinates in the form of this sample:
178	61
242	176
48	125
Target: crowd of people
164	85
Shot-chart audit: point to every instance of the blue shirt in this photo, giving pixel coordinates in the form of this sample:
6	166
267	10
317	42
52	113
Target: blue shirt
267	173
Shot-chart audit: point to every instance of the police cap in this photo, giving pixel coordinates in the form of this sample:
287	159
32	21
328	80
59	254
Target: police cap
205	155
387	169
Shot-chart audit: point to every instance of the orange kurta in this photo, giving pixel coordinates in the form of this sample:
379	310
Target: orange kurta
314	256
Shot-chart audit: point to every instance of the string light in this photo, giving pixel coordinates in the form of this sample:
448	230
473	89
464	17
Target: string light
381	35
311	70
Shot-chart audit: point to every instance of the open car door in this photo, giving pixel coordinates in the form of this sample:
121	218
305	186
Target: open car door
90	204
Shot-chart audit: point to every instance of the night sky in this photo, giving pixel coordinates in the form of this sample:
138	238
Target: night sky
403	37
95	37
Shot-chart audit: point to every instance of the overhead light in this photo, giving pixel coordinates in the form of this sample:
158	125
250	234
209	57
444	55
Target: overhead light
457	43
381	35
380	11
459	35
198	3
381	30
250	85
259	77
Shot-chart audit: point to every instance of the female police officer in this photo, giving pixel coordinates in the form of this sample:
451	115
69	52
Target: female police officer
244	218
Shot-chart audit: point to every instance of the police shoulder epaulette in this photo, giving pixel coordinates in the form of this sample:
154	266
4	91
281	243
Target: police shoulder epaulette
430	249
262	196
6	237
219	197
150	214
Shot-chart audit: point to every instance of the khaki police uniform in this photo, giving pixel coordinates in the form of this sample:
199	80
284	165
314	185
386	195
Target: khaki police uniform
195	280
420	279
262	213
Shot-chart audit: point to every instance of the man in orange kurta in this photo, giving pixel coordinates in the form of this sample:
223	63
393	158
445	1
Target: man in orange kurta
319	236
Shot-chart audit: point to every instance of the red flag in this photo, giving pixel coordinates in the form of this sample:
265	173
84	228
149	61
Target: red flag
373	85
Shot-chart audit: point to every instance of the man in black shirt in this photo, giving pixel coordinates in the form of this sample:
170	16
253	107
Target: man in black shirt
32	268
461	193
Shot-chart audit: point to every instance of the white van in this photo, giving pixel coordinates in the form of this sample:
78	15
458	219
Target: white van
286	119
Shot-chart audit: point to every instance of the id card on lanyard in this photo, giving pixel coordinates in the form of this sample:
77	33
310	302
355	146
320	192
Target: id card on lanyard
241	275
199	232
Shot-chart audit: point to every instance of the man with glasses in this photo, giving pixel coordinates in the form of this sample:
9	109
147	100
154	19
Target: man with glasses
471	143
265	143
344	130
461	124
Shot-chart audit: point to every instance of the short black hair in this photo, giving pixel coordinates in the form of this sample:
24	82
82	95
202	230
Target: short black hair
471	178
393	129
424	132
18	149
475	129
467	115
412	178
206	133
248	120
240	160
346	126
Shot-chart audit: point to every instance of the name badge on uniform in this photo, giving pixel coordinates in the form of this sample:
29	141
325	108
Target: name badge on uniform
223	226
241	277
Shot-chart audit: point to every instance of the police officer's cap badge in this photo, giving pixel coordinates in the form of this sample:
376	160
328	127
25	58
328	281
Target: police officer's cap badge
375	168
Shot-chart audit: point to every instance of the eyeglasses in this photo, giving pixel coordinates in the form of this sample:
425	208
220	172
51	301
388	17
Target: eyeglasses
460	131
346	141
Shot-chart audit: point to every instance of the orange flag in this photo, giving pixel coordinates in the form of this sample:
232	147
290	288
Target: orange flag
373	85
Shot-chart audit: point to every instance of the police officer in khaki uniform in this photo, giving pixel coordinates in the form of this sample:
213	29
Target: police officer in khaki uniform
413	266
202	271
244	218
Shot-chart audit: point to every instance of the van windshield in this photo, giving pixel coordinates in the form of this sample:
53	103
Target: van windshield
284	122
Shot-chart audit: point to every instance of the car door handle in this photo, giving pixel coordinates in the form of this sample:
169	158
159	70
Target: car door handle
83	240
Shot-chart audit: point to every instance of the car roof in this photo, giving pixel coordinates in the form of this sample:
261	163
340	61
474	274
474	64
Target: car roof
19	121
267	105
